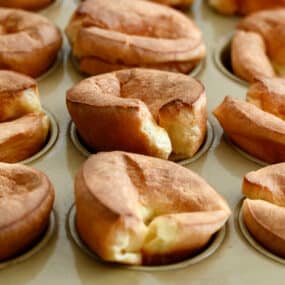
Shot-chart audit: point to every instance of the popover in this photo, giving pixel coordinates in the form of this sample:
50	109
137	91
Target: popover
140	110
115	34
259	133
26	200
263	210
29	43
258	46
136	209
24	127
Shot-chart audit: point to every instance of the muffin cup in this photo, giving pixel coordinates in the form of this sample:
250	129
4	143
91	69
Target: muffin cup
244	153
79	145
210	249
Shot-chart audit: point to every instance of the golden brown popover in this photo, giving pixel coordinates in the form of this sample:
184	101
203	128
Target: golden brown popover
115	34
140	110
258	47
263	210
26	200
257	132
29	43
137	209
23	125
248	56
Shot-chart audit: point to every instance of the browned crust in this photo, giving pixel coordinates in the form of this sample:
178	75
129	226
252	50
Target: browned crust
155	88
261	134
248	56
26	4
102	129
112	206
252	6
265	222
30	195
116	32
29	43
135	49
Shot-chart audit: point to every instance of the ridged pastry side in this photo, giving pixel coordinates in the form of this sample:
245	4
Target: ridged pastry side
114	33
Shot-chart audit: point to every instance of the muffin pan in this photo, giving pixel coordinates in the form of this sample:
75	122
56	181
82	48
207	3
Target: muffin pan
62	261
77	142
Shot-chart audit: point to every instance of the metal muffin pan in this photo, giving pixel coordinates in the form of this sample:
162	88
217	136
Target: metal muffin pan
61	261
